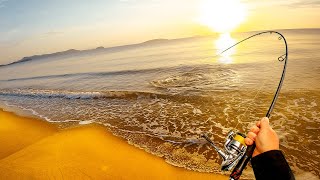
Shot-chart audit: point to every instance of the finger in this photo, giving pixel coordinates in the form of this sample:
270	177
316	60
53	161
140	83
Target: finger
248	141
258	124
255	129
252	136
264	123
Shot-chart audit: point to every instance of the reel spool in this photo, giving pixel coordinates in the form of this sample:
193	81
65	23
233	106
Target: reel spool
234	149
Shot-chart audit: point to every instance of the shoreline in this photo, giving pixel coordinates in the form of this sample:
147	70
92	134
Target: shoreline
36	149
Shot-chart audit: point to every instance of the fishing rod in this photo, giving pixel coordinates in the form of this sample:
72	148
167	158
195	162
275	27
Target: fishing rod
236	153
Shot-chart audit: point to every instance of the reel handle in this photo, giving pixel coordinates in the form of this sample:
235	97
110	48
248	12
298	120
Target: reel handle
241	165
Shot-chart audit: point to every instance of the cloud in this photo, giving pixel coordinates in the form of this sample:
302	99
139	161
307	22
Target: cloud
52	33
292	4
306	3
2	3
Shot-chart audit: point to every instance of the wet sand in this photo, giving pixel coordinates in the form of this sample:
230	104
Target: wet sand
35	149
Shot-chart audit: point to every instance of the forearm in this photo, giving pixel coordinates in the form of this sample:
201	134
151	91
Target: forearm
271	165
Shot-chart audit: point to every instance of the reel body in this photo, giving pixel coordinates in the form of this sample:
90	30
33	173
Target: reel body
234	149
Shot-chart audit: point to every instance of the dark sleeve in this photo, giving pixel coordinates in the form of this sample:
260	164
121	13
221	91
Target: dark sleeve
271	165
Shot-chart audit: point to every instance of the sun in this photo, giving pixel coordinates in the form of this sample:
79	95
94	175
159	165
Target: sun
222	15
223	42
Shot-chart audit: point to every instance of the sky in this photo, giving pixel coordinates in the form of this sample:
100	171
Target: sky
30	27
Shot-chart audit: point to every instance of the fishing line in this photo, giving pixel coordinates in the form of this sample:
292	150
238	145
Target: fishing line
252	100
281	58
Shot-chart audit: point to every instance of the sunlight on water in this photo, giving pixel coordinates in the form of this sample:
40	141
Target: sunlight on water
223	42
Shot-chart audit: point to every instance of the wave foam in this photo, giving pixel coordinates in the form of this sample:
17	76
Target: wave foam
74	94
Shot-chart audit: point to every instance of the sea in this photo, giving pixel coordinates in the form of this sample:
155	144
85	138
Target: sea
163	94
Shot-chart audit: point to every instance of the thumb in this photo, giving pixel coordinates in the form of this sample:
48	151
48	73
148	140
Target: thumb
264	123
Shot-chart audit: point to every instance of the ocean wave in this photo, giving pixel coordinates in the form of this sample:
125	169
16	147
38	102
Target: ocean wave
181	72
88	74
196	77
75	94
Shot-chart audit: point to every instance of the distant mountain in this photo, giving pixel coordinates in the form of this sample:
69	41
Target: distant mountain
101	49
35	57
156	41
74	52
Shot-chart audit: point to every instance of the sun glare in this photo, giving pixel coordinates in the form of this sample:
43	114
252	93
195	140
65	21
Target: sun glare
223	15
222	43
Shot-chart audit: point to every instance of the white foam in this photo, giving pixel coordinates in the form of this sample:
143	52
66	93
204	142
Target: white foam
196	111
86	122
306	175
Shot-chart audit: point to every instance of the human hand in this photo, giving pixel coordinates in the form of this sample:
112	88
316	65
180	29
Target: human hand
264	136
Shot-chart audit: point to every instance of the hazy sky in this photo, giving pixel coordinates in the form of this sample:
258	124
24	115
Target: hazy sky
29	27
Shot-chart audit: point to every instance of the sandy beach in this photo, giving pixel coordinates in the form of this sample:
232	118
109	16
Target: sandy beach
35	149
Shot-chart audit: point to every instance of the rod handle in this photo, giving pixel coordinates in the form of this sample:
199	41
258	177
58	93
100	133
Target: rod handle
241	165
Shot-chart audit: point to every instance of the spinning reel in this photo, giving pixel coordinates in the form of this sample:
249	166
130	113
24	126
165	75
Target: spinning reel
234	149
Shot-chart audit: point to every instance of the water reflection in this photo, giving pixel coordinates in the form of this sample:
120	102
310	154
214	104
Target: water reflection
223	42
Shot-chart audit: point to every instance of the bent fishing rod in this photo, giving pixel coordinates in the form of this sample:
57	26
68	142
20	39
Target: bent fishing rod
236	153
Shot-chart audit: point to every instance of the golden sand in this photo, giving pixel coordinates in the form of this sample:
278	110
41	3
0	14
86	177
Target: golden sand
35	149
17	132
